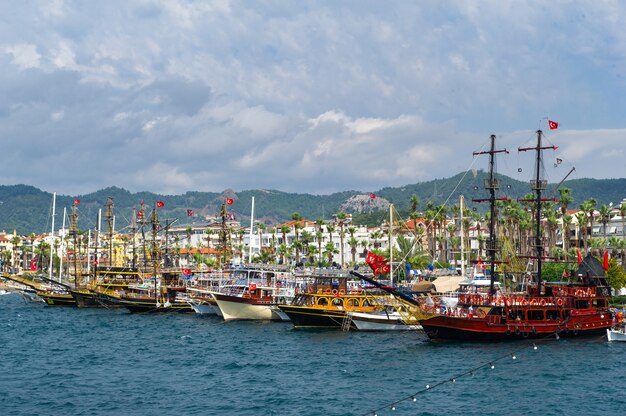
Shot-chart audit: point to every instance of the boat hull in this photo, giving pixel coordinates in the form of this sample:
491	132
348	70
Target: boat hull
202	307
58	299
615	335
240	308
443	327
138	305
307	317
380	322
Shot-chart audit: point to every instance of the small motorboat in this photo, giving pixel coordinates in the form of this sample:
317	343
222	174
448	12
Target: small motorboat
616	333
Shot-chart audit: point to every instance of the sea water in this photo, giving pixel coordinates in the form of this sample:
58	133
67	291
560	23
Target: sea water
67	361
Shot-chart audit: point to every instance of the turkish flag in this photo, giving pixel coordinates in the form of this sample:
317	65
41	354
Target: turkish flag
76	201
579	257
33	265
160	204
553	125
605	263
372	196
190	212
230	201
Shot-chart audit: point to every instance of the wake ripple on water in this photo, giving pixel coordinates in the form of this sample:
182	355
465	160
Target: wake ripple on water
111	362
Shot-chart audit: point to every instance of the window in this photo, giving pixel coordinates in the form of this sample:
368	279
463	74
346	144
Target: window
535	315
552	314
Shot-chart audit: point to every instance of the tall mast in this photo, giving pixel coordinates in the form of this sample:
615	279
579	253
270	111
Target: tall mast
538	184
109	217
62	235
223	241
133	231
461	203
492	184
74	234
142	222
391	245
54	203
96	243
251	226
155	252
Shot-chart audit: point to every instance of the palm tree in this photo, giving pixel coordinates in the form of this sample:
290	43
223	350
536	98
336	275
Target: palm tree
284	229
605	217
312	252
588	207
342	218
375	236
329	251
353	242
15	242
567	221
565	198
319	237
415	201
581	219
330	229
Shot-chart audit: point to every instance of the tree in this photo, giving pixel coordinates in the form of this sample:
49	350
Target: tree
616	275
605	217
330	250
353	242
342	219
588	207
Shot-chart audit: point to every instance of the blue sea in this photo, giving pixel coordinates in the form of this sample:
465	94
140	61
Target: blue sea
64	361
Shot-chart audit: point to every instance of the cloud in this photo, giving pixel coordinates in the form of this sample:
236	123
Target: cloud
24	55
171	96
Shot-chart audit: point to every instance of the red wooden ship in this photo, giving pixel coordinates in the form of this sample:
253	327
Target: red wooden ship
579	307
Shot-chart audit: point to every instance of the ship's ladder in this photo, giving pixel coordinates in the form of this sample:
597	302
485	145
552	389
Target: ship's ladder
346	323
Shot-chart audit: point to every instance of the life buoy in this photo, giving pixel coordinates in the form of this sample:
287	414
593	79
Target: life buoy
533	302
327	291
342	292
335	293
508	331
359	291
543	302
559	302
517	331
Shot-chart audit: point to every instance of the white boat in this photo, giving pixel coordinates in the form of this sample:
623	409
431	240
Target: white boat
253	293
202	307
381	321
616	333
254	303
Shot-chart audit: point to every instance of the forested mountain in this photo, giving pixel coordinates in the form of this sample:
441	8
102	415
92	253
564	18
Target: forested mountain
28	209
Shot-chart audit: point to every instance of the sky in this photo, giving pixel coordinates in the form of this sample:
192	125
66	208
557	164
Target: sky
170	96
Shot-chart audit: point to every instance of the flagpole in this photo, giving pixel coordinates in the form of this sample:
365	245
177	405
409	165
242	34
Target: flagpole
461	202
54	204
390	245
251	226
62	235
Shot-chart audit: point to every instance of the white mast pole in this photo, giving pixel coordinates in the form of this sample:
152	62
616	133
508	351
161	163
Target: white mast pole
54	204
62	235
98	236
462	200
251	233
390	245
88	244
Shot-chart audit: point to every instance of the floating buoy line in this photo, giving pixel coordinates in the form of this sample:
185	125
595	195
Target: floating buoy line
490	365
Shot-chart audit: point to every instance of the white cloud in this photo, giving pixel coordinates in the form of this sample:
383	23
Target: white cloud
24	55
308	97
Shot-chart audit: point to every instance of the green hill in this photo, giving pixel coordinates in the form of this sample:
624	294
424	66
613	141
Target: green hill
28	209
